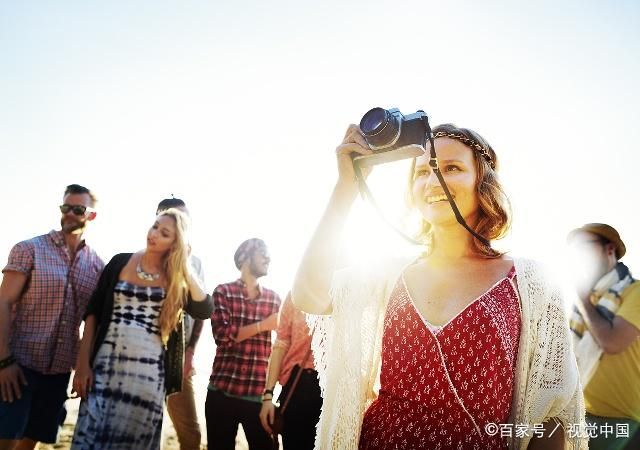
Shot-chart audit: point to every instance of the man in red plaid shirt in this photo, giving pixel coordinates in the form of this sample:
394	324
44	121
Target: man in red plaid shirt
44	293
244	315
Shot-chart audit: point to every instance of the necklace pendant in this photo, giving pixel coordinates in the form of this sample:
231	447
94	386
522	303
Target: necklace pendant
145	276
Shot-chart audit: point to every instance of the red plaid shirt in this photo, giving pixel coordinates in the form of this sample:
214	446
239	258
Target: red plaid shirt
46	319
240	368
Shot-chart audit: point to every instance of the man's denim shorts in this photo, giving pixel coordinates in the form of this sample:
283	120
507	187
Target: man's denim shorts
40	412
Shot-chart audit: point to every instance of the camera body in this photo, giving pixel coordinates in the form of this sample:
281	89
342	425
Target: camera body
392	136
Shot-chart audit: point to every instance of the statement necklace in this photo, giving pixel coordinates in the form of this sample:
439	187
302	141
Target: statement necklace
145	275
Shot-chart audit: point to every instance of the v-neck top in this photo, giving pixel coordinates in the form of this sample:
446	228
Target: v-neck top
444	389
437	328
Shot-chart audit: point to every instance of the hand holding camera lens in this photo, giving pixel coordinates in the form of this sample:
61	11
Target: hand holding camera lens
352	144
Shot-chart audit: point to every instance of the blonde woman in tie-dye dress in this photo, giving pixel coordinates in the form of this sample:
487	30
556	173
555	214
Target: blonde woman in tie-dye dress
131	351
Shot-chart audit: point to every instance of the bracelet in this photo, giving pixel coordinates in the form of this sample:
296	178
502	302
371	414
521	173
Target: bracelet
266	399
258	325
9	361
267	391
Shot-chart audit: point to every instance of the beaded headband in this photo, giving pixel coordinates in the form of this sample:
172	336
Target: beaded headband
470	143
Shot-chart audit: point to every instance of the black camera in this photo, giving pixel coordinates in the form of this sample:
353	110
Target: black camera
392	136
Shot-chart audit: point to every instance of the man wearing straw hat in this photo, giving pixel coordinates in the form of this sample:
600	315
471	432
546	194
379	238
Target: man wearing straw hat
606	324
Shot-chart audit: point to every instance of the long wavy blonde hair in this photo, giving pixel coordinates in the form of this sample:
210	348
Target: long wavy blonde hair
176	270
494	208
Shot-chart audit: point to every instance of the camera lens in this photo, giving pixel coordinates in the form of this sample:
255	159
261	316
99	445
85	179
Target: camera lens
380	127
372	120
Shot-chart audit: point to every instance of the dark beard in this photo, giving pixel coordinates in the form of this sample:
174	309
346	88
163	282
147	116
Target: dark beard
255	271
72	227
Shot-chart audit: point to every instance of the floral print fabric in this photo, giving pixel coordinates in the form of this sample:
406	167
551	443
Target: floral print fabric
440	386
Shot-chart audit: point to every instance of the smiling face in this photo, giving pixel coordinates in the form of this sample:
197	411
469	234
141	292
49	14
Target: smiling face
162	234
458	167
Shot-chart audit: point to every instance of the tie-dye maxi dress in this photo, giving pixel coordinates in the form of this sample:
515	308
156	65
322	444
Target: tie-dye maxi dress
124	409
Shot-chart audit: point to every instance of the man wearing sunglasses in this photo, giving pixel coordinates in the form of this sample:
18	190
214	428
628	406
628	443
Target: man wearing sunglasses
45	289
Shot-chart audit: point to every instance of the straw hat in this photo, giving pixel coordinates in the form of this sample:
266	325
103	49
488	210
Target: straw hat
605	231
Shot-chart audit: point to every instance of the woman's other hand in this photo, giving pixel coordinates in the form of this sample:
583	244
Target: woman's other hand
82	380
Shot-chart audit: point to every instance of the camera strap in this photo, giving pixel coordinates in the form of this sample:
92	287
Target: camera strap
433	163
366	193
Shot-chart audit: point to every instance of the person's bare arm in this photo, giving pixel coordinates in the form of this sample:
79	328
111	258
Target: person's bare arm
268	324
275	364
613	337
310	291
83	377
11	377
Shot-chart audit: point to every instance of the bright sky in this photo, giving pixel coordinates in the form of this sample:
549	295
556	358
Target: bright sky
237	107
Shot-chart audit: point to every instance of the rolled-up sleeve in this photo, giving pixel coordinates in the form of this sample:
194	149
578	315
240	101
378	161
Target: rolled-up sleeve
224	332
283	339
20	259
630	308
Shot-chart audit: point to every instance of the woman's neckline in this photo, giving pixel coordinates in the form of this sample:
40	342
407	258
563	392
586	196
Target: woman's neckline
439	328
120	281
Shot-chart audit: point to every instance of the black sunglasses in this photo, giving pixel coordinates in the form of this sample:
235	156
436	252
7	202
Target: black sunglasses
78	210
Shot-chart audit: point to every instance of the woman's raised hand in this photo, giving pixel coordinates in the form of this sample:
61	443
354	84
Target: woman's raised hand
353	143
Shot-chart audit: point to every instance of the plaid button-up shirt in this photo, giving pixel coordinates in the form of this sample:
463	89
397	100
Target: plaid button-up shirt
44	333
240	368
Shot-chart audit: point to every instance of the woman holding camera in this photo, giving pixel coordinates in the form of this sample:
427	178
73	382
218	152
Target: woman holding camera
470	347
131	353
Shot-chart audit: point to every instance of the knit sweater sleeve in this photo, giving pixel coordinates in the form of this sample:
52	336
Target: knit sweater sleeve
347	349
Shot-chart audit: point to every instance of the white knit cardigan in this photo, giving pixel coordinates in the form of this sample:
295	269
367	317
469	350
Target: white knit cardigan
347	351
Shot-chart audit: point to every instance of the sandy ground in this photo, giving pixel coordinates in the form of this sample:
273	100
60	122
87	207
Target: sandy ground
169	439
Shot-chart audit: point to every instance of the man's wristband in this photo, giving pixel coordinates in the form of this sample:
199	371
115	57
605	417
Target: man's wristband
9	361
